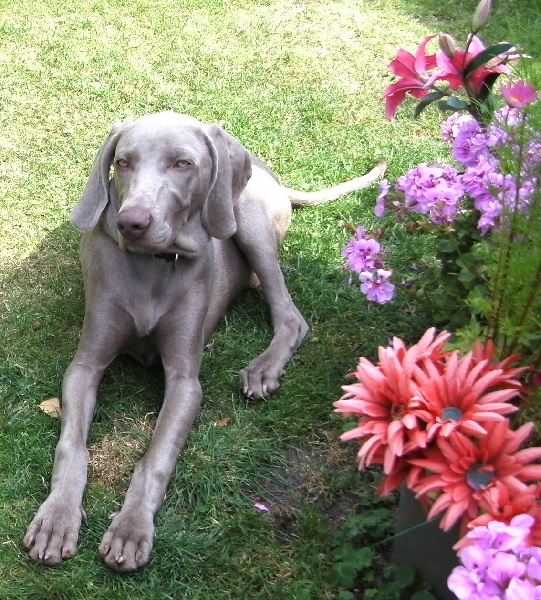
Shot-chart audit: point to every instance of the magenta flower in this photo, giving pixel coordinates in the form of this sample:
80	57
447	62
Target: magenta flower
413	73
453	69
519	94
376	287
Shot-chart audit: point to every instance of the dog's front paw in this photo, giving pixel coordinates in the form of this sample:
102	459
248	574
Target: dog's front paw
259	379
52	536
262	376
127	544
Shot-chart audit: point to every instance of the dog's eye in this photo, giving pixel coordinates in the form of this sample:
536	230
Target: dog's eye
121	162
182	164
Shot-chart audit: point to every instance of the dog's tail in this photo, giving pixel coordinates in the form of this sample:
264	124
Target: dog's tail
300	199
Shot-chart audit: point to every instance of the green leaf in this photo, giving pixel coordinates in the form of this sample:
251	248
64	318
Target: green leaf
405	575
428	99
343	574
453	103
481	290
465	261
364	557
423	595
466	276
446	246
344	552
483	57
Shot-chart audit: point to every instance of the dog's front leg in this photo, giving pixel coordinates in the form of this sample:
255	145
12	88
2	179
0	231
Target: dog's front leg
258	239
53	533
127	544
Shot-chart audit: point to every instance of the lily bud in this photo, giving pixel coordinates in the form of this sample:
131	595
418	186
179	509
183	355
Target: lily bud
480	16
447	44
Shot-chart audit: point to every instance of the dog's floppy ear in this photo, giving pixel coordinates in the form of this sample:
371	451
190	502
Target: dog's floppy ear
231	170
86	213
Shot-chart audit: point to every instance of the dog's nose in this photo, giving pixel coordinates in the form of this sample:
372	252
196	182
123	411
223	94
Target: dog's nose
133	223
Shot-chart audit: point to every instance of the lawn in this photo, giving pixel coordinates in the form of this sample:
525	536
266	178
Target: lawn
300	84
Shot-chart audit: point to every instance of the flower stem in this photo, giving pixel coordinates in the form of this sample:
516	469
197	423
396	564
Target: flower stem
526	309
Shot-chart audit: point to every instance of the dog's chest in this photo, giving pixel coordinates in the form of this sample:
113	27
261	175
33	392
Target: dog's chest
146	318
152	300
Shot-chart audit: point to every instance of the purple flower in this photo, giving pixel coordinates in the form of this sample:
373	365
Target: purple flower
532	157
362	253
470	144
534	561
434	190
499	536
451	127
488	222
465	581
498	135
376	287
384	188
519	589
503	567
504	187
475	179
499	565
509	117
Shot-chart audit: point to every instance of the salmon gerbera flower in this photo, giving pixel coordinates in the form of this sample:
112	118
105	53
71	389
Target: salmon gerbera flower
386	399
463	394
465	472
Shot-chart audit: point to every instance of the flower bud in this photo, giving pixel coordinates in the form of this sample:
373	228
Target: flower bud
447	44
480	16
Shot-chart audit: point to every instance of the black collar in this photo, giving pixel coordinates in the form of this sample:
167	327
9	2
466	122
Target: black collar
167	256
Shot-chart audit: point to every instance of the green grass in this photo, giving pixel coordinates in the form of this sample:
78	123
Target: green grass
301	86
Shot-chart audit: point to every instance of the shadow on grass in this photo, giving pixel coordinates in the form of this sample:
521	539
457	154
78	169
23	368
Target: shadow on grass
222	466
518	21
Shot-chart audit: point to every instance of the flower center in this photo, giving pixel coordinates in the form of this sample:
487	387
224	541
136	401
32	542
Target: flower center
452	413
479	476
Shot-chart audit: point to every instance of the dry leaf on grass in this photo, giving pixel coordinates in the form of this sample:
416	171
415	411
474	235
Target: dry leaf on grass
223	422
51	407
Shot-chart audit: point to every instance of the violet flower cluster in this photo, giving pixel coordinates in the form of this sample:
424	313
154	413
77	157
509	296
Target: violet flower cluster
500	172
498	175
498	563
488	157
364	256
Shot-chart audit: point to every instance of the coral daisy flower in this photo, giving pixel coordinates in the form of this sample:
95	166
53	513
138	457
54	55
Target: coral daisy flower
463	470
386	400
460	394
508	376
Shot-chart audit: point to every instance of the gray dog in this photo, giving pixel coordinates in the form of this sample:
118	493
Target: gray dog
187	219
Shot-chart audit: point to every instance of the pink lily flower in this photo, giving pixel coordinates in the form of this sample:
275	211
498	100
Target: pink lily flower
452	69
413	73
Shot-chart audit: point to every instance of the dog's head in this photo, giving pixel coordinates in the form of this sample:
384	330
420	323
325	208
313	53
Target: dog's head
174	184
